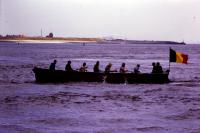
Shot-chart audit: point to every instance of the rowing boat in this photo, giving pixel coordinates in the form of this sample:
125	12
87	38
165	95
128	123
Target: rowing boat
60	76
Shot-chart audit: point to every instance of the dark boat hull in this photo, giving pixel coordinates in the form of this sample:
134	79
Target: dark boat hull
46	75
147	78
115	78
133	78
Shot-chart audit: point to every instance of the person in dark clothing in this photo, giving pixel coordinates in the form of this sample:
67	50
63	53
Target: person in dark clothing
96	67
108	68
68	67
154	67
137	68
159	68
83	68
53	65
123	68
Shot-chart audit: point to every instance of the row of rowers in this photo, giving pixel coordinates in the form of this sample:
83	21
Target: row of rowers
157	68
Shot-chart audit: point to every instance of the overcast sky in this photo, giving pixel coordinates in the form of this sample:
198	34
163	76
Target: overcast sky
175	20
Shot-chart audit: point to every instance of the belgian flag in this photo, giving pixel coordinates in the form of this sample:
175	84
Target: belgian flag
178	57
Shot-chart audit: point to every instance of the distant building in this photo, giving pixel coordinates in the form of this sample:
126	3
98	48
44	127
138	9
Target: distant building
50	35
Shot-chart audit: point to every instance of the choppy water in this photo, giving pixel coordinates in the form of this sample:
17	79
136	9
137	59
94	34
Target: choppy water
95	107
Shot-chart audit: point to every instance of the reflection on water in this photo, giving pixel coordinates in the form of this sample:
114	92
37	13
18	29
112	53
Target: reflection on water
97	107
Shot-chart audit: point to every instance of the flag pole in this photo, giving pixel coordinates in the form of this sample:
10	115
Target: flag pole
169	58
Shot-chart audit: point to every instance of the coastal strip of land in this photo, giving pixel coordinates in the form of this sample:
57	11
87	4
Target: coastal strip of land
47	39
51	39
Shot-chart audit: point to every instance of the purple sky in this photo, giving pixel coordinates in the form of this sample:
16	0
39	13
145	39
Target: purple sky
175	20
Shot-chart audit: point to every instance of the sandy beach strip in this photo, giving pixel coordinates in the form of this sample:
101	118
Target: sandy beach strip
47	41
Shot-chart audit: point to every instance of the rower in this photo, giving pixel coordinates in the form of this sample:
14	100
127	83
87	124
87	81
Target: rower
136	69
96	67
83	68
68	67
108	68
159	68
154	67
53	65
123	69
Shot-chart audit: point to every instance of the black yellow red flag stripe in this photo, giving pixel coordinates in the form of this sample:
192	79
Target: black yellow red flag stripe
178	57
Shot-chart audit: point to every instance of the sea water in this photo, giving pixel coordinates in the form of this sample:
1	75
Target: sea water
26	106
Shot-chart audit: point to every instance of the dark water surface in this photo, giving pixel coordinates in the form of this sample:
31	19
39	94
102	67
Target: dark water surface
98	107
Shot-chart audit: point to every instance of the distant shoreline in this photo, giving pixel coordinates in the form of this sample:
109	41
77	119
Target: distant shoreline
121	41
83	40
47	40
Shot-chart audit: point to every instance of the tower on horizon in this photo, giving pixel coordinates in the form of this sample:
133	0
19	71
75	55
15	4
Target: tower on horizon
41	33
